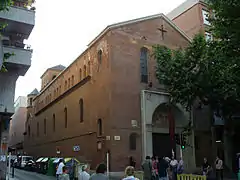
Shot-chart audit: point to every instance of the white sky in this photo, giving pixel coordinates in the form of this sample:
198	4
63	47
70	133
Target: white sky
64	28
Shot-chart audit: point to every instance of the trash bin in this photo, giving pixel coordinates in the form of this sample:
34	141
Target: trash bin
51	171
38	165
71	164
44	165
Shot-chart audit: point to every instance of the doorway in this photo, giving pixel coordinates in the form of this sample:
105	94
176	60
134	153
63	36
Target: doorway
162	145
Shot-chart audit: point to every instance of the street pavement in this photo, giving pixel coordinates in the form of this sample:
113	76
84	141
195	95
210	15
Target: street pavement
26	175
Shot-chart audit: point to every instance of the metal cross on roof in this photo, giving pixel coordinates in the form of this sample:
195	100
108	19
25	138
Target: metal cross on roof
163	31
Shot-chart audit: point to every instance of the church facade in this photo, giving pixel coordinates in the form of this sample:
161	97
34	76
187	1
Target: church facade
109	100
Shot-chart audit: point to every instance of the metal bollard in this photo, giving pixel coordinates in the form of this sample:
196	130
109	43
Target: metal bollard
12	171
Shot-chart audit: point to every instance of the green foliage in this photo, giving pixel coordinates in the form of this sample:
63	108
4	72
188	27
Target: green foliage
4	4
208	71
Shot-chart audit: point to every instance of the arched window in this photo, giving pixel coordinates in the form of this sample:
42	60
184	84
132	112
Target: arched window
89	68
99	124
133	141
65	117
80	74
72	80
144	65
29	132
45	126
100	56
81	109
84	71
54	123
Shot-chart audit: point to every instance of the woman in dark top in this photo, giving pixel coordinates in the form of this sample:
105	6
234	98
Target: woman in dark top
205	167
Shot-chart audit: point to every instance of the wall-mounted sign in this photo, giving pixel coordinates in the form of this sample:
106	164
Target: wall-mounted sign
117	138
108	138
134	123
76	148
58	150
99	145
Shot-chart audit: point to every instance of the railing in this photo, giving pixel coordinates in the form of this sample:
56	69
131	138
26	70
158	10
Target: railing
190	177
139	175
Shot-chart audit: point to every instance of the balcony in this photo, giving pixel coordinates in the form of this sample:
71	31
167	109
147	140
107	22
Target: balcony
21	60
19	20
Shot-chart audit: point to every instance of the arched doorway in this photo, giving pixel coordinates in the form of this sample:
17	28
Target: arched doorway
166	120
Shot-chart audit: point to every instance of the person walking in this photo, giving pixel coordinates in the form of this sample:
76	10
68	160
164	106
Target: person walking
64	175
219	168
180	166
59	171
173	167
129	173
154	168
84	174
100	173
147	169
162	169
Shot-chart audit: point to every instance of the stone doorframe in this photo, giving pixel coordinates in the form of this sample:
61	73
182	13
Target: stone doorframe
150	100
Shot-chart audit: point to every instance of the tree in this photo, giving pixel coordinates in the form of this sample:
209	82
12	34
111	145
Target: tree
206	70
4	6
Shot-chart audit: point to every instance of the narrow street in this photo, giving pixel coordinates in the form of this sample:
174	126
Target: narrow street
27	175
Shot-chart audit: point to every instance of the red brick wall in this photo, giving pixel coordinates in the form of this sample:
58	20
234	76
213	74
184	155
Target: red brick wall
191	21
112	94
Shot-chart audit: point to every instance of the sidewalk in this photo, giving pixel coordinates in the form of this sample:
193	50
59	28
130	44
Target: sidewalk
11	178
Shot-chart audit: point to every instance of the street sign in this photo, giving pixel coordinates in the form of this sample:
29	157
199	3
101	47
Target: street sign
76	148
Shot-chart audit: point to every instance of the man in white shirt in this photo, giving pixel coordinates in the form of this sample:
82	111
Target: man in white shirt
84	174
219	168
59	171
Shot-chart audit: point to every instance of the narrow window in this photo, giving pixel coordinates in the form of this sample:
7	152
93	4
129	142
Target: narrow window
133	141
38	129
65	117
29	132
54	123
72	80
99	124
205	15
53	77
68	82
31	101
144	65
80	74
60	89
45	126
66	85
100	56
81	109
84	71
89	68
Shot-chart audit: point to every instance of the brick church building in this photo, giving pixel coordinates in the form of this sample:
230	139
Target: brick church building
108	99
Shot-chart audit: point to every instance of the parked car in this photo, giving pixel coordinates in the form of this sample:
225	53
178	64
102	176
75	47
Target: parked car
21	161
30	165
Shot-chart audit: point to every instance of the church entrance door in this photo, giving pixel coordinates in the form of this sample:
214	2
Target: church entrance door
162	145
